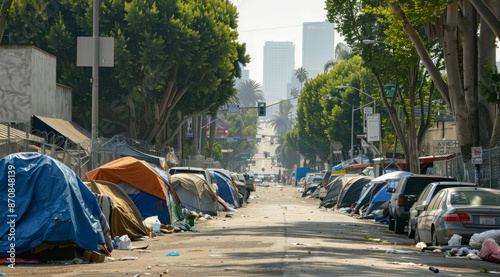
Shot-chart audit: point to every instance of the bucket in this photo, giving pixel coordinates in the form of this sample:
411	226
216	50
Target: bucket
191	221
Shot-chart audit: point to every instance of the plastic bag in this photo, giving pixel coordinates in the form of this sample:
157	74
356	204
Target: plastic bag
490	251
479	238
148	222
455	240
124	243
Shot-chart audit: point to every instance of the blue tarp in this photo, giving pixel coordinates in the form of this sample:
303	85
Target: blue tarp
226	189
48	202
382	195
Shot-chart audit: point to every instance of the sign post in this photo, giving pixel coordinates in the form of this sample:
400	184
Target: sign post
477	160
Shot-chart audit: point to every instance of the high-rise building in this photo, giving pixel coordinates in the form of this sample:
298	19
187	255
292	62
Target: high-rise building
279	62
318	39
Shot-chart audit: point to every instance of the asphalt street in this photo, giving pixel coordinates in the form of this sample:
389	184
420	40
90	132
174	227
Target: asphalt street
278	234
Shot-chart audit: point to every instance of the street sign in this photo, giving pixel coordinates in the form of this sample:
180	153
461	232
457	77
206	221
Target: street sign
389	90
477	155
373	127
85	51
233	108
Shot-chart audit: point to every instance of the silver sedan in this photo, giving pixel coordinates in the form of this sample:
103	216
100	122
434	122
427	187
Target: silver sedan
460	210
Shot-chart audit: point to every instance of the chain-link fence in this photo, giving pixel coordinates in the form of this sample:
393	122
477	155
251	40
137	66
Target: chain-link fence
489	170
18	137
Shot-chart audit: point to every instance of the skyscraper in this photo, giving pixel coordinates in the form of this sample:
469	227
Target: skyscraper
279	62
318	39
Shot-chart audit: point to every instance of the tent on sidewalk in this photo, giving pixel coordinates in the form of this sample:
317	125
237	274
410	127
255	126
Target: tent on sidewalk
332	195
173	202
373	187
350	193
382	195
227	191
125	218
51	215
195	194
140	181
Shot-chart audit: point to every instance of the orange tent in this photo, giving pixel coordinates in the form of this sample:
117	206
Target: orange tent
125	169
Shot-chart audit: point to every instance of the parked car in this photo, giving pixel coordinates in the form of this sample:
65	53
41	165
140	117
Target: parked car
426	196
404	195
459	210
301	182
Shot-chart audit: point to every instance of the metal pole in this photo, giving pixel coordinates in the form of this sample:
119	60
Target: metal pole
352	133
95	81
201	127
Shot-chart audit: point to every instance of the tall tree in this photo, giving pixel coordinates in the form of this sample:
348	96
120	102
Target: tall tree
249	93
281	120
301	74
342	53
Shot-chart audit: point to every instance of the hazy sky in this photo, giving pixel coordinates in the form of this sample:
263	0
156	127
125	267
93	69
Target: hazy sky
275	20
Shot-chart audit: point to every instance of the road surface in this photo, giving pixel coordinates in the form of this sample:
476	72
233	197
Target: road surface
278	234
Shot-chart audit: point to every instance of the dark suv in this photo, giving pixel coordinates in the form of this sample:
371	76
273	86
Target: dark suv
404	195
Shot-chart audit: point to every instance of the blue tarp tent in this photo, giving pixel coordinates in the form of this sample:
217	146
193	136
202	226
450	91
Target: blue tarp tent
48	203
382	196
226	189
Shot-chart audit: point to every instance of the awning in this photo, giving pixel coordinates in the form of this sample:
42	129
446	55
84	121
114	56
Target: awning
67	129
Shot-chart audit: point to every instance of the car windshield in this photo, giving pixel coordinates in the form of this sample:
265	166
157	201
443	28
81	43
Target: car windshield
475	198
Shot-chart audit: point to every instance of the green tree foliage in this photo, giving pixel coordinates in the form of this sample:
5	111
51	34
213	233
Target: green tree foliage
249	93
169	56
281	120
243	126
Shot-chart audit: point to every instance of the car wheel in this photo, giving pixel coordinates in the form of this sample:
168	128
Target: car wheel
417	236
391	223
399	225
411	232
434	237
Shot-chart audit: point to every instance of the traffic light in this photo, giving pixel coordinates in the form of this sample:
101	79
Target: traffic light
261	106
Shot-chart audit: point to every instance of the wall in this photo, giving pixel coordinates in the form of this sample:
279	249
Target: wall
443	130
28	85
15	84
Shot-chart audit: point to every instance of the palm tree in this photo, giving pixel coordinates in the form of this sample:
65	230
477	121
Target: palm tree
301	74
250	92
342	53
294	92
280	120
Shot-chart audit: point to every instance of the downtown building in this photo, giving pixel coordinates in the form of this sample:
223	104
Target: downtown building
279	64
318	46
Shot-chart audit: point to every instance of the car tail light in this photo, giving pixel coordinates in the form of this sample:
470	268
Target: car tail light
401	201
457	217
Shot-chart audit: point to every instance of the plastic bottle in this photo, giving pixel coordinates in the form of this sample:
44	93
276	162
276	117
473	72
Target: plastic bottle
115	242
156	227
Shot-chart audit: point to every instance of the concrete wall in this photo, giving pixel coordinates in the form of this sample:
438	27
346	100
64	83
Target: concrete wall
15	84
444	130
28	85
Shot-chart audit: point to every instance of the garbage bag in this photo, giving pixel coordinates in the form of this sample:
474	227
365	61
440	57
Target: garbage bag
490	251
455	240
124	243
477	239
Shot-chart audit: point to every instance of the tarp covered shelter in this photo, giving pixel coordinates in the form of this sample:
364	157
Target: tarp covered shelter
334	190
125	217
52	206
350	193
356	160
127	151
382	195
227	191
140	181
374	186
195	194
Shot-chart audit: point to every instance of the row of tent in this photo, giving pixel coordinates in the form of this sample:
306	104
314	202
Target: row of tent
52	210
363	194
